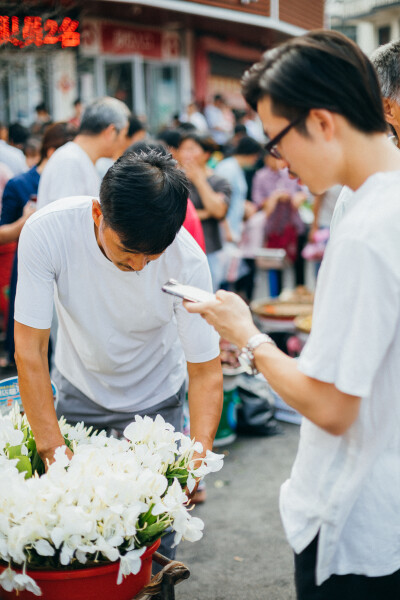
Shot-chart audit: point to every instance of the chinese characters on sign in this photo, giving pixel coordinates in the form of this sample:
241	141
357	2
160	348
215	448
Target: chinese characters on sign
33	31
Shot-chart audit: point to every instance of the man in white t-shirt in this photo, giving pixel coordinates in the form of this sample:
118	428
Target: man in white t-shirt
124	346
71	169
319	100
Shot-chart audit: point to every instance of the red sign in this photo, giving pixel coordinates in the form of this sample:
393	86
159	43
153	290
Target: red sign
126	40
33	31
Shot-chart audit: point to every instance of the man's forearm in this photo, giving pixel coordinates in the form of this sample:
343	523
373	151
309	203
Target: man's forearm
205	405
10	232
37	399
320	402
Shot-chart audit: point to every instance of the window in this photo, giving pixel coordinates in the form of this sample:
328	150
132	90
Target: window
384	35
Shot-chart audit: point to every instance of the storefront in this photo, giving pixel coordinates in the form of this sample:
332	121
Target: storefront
37	64
144	67
219	67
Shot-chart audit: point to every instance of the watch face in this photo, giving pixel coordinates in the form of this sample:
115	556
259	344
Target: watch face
245	363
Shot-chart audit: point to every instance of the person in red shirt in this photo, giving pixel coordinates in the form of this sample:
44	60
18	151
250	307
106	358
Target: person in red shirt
192	223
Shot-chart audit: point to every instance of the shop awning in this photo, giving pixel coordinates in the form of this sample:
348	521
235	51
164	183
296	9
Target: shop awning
224	14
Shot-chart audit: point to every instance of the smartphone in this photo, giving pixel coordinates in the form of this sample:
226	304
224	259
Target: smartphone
187	292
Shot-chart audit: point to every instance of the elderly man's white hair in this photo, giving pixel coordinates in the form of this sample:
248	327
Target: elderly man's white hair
103	112
386	60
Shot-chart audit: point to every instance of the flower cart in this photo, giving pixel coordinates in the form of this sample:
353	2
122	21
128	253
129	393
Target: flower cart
91	524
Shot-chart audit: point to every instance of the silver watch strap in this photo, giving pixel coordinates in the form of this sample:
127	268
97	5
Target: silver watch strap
257	339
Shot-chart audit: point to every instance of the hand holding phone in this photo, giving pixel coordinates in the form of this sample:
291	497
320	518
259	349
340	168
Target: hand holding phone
187	292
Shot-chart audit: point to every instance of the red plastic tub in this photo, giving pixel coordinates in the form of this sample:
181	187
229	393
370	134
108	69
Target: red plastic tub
96	583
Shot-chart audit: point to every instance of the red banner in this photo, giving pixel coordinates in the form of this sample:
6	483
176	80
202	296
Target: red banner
117	39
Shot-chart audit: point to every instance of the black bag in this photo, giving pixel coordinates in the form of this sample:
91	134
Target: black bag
255	413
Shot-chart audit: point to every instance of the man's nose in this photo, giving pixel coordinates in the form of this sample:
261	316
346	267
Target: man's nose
138	263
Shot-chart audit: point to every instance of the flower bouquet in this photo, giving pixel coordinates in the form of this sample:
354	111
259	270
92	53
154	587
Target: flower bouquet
108	504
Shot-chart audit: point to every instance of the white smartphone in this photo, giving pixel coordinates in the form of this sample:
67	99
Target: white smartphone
187	292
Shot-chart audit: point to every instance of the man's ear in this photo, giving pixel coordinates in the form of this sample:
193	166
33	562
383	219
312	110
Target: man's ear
96	212
321	121
388	110
110	133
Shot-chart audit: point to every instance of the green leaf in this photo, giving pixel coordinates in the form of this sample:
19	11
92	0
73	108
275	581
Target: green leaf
153	532
24	464
14	451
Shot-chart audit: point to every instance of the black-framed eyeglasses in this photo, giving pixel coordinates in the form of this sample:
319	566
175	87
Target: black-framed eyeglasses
271	146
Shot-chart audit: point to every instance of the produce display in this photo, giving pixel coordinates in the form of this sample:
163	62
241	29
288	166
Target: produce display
289	305
112	500
304	323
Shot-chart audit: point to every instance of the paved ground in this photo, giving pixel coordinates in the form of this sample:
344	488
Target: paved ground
244	553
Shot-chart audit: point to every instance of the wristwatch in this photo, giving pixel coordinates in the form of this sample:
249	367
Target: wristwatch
246	356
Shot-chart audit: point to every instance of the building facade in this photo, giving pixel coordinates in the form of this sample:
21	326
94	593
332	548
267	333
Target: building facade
156	55
370	23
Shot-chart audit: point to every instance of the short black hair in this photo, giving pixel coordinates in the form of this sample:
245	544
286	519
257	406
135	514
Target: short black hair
17	133
41	107
170	137
240	128
134	126
204	141
143	198
186	127
147	145
322	69
247	146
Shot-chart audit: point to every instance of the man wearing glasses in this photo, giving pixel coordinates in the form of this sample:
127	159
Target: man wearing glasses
319	100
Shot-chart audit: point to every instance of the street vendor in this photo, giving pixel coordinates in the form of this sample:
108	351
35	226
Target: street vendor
123	347
319	100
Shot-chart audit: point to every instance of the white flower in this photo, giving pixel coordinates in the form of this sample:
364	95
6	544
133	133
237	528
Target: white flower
130	563
9	435
7	579
22	581
211	464
43	548
94	503
10	580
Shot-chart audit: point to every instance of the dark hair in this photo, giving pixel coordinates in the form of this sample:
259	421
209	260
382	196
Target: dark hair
41	107
247	146
77	101
204	141
187	127
56	135
135	125
143	198
322	69
386	60
240	128
146	146
170	137
17	133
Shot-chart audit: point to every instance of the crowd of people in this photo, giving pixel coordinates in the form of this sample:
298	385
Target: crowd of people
240	199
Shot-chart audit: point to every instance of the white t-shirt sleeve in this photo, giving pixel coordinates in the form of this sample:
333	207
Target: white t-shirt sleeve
199	340
355	316
35	288
64	179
